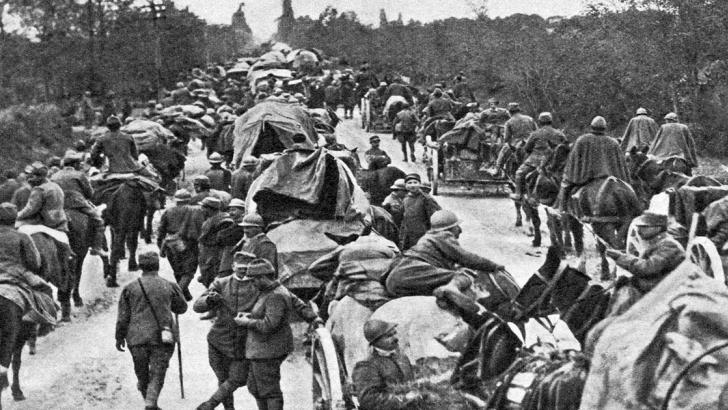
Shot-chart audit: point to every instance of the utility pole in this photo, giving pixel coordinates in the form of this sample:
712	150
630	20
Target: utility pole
157	11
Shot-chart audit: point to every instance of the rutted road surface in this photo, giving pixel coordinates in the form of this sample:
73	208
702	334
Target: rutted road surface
78	367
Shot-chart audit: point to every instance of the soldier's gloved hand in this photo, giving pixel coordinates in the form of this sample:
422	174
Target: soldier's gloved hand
120	344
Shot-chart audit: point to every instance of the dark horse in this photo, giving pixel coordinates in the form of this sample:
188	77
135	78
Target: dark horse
169	163
80	239
126	208
514	159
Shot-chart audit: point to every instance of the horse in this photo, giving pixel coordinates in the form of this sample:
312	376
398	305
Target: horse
14	333
169	163
378	182
80	239
125	212
514	158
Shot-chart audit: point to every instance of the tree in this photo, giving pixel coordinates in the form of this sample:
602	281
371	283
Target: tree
383	18
479	8
286	22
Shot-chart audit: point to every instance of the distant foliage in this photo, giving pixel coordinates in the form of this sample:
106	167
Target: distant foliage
31	132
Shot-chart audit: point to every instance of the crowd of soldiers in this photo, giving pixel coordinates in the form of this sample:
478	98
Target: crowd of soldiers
210	230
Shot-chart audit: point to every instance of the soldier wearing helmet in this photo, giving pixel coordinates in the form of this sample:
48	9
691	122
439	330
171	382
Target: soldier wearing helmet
539	147
674	140
120	150
45	202
594	155
515	133
640	132
385	367
256	241
243	177
434	265
219	177
177	238
216	220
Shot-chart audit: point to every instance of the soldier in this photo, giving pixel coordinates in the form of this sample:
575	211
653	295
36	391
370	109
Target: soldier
407	122
270	338
219	177
394	202
120	150
77	195
256	241
539	147
386	366
418	208
438	108
515	133
210	250
243	177
594	155
201	184
461	90
45	202
674	140
144	324
640	132
661	255
375	151
231	236
177	237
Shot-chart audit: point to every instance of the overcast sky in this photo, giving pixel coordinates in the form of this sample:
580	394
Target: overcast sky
261	14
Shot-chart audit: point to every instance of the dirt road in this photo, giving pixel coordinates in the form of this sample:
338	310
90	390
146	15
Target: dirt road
77	366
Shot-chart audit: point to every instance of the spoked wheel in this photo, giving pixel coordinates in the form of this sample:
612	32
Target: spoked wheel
327	386
634	247
701	251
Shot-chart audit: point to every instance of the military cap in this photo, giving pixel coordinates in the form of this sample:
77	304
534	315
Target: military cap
514	107
374	138
375	329
211	202
426	187
182	195
411	177
249	160
260	267
38	169
236	203
201	179
148	257
241	260
252	220
398	185
8	213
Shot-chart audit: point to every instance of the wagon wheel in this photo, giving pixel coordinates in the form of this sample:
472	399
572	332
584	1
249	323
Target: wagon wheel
435	178
634	247
326	381
701	251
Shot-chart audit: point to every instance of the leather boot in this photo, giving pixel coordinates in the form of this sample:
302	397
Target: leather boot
453	292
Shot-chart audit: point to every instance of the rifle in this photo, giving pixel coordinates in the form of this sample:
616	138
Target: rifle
179	357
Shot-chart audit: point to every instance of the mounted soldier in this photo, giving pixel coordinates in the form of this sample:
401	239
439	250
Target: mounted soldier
674	140
45	203
78	194
120	150
515	133
640	132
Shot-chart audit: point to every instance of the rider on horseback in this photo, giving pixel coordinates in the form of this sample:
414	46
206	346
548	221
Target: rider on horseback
78	193
120	150
45	203
674	140
516	132
640	131
539	148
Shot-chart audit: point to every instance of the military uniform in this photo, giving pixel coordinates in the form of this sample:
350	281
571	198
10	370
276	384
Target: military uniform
7	190
210	249
674	140
395	206
45	207
640	133
77	195
262	247
374	376
432	263
661	255
539	148
220	179
240	183
120	150
137	326
418	208
181	223
372	153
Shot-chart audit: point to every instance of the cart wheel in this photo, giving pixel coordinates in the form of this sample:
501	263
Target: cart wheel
634	247
435	179
326	381
701	251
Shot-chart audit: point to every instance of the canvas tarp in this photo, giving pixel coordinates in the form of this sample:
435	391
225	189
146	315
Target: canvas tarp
638	355
271	59
307	184
284	119
466	133
256	76
147	133
301	241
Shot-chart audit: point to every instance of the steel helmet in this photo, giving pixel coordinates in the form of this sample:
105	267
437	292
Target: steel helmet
641	111
375	329
443	220
599	123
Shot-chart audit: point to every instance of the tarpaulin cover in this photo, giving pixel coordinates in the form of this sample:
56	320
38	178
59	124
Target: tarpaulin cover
300	58
305	184
284	119
271	59
255	76
466	133
639	354
147	133
300	242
